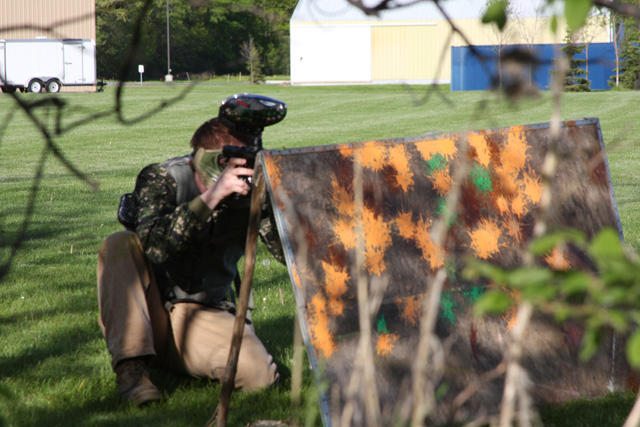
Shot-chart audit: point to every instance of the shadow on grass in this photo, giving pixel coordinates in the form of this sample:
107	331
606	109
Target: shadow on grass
51	343
192	404
608	411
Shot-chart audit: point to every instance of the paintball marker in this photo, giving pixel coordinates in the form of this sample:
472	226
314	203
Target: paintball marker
248	114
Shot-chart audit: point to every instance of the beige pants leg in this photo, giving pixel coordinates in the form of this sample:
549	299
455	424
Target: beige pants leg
192	339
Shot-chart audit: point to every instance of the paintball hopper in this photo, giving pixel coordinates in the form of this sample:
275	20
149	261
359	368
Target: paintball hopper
250	114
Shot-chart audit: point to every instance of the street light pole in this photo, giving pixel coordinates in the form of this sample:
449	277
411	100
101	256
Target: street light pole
168	76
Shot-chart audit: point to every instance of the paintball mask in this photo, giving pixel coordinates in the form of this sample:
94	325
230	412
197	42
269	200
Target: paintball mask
250	114
243	113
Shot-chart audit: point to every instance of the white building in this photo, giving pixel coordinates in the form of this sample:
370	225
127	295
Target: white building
332	41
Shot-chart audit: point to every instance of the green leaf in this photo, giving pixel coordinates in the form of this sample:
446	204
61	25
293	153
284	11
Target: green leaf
492	302
441	391
540	293
523	277
576	282
562	313
576	12
618	320
545	244
481	269
496	13
606	244
633	349
590	344
554	24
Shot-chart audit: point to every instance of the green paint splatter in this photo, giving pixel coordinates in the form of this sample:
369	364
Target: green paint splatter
441	205
472	294
382	326
481	178
447	305
450	268
437	161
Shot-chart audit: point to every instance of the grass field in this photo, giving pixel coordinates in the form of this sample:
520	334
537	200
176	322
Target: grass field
54	366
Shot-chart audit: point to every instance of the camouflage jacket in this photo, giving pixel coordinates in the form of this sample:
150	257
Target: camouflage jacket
194	250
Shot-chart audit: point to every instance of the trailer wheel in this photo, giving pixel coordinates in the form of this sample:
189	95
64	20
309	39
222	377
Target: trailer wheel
53	86
35	86
9	89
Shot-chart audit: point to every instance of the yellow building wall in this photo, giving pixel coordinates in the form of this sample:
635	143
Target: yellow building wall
54	19
402	52
423	52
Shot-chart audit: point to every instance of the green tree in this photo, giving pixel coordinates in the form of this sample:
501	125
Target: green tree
503	34
624	29
115	22
252	57
206	35
630	54
576	78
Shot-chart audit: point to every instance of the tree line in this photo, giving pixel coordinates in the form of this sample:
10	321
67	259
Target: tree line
206	36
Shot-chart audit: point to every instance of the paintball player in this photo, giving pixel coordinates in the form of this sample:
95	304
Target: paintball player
164	284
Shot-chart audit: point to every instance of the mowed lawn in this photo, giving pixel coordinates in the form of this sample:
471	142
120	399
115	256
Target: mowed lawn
54	366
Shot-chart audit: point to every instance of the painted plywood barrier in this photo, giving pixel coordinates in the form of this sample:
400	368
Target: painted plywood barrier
405	184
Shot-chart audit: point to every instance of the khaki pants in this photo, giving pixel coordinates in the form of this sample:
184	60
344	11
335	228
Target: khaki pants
191	339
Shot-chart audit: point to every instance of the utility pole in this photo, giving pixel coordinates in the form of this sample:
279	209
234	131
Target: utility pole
168	77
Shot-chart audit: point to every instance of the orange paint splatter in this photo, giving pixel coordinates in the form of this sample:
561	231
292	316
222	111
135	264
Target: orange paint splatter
335	285
345	151
441	181
377	241
510	315
513	229
373	157
430	252
519	205
531	187
345	232
319	329
503	205
273	171
479	143
404	224
296	278
342	200
399	159
302	273
513	157
385	344
410	309
507	182
485	239
444	147
557	260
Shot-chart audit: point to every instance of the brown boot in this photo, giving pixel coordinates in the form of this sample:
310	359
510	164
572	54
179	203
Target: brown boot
133	382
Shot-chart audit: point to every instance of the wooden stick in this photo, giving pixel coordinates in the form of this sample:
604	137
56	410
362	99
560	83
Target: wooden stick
219	418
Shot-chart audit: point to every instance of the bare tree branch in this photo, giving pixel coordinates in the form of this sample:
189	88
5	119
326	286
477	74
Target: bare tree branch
622	8
51	29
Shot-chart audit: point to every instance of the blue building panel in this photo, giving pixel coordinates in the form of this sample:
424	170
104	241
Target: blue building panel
477	68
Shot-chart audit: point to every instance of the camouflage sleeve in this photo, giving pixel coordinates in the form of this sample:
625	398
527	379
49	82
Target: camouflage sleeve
163	227
269	234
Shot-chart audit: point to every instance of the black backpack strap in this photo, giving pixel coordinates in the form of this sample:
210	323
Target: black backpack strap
127	211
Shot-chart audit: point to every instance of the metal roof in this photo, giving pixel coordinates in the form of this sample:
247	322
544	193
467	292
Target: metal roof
410	10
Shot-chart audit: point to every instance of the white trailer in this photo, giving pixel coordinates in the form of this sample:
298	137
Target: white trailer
34	65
